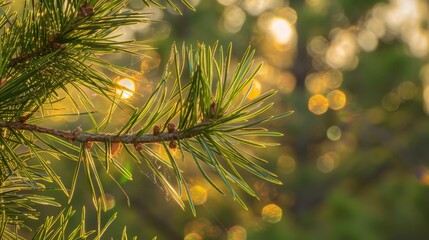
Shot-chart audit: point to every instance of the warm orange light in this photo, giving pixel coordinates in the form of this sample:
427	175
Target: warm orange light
198	195
255	91
318	104
128	87
337	99
272	213
237	233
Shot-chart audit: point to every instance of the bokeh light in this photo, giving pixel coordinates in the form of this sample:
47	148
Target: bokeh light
286	164
233	18
333	133
391	101
227	2
127	88
198	194
407	90
150	61
341	53
336	99
193	236
272	213
281	30
237	233
286	82
255	90
318	104
423	175
327	162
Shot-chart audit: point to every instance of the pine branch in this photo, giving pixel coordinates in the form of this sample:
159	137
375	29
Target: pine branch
83	137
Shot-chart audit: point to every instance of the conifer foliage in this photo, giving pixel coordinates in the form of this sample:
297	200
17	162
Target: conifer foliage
199	108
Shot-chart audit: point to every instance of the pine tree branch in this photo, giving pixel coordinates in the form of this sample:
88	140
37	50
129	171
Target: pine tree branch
79	136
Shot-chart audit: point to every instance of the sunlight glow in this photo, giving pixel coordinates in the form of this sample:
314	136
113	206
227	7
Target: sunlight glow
281	30
128	88
255	91
272	213
341	54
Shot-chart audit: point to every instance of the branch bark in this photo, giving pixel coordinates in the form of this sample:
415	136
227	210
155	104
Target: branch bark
79	136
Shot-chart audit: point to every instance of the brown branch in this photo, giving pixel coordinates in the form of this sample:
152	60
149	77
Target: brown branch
83	137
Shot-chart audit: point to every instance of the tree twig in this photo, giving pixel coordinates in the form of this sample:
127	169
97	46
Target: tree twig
79	136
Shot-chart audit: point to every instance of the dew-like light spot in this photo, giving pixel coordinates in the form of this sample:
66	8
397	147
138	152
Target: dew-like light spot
336	99
334	133
127	88
198	195
272	213
237	233
318	104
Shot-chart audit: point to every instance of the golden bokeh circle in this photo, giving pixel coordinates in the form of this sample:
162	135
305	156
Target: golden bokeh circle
272	213
198	195
337	99
318	104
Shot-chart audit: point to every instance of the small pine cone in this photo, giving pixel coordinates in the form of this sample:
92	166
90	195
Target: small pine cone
156	130
171	127
138	146
88	144
172	145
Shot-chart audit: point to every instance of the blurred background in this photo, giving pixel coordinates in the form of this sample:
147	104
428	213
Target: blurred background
354	160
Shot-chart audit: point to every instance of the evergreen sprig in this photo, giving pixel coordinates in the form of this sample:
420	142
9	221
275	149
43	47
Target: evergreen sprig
198	113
